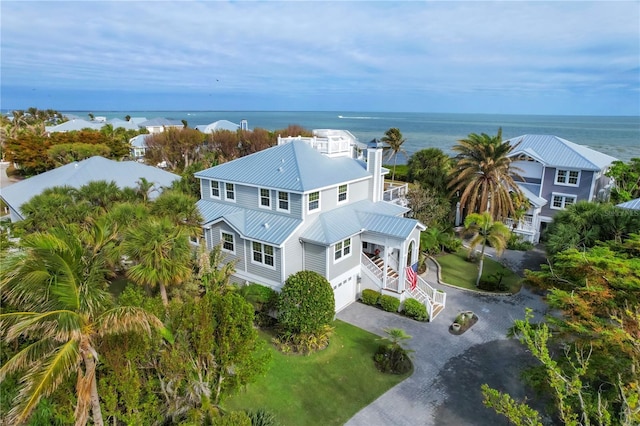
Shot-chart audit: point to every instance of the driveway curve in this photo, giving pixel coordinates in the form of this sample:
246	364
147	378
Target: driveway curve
444	388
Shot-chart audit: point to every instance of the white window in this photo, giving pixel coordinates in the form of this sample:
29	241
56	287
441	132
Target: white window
314	201
263	253
215	189
562	201
230	191
342	249
265	198
567	177
228	243
283	201
342	193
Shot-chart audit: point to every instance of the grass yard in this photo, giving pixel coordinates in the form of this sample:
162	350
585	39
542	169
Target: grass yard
457	271
325	388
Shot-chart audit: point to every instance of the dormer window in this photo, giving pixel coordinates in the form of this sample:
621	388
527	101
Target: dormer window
314	201
342	193
567	177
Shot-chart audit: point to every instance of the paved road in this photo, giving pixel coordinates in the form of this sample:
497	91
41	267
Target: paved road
445	386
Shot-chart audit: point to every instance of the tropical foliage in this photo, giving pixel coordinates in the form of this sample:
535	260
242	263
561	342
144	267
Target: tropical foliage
484	231
55	289
626	180
394	140
483	175
430	168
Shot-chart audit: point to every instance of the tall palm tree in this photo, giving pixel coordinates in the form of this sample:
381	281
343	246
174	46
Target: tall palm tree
56	285
161	254
181	209
486	231
393	138
484	176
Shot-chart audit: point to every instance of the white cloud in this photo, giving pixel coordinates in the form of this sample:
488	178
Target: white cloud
349	47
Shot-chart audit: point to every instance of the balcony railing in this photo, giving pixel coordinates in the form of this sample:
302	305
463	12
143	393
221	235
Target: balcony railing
525	224
396	193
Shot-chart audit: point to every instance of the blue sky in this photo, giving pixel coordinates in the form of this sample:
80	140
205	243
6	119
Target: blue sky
561	57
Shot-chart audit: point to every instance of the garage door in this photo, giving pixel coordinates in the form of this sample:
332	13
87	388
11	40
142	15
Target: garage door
344	291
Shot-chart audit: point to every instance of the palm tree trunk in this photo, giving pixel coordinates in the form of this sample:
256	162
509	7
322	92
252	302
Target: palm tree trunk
88	380
163	295
481	265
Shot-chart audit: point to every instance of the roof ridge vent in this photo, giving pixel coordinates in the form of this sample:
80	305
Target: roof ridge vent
266	225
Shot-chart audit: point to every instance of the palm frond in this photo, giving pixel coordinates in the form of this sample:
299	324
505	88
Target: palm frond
123	319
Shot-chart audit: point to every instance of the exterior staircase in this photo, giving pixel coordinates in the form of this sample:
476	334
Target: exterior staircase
434	300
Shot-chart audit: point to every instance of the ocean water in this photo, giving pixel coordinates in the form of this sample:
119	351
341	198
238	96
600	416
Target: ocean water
616	136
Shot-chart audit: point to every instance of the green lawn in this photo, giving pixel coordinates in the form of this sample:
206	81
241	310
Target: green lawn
456	270
325	388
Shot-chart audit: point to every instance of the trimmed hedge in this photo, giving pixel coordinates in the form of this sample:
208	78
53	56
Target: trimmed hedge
370	297
416	310
389	303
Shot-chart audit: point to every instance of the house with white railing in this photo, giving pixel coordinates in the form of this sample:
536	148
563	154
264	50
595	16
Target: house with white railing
316	203
557	173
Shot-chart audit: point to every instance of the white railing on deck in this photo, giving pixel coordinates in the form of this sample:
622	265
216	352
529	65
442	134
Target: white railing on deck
392	283
428	295
395	192
525	224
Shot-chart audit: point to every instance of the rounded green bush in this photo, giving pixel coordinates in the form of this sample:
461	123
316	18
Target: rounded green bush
389	303
370	297
416	310
306	303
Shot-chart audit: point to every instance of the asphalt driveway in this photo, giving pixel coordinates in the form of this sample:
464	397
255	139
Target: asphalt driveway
445	386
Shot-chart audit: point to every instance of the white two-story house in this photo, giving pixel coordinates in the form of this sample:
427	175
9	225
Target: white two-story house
557	173
314	204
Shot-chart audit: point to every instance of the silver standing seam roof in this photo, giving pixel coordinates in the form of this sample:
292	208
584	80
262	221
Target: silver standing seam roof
77	174
557	152
293	167
631	204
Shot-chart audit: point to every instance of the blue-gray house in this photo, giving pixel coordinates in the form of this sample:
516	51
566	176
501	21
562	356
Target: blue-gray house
312	204
557	173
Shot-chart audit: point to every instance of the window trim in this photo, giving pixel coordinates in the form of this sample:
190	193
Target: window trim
288	201
564	200
309	201
345	193
223	242
342	244
211	182
262	197
263	254
233	192
567	177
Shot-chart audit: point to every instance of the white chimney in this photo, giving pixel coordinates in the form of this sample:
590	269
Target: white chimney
374	166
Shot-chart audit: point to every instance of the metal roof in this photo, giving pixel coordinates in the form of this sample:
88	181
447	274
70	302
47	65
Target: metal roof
159	121
270	228
553	151
75	125
531	191
77	174
140	141
364	216
632	204
294	167
218	125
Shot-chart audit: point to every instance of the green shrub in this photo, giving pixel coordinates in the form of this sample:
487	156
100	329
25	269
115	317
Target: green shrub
264	301
416	310
516	243
303	343
370	297
262	417
393	359
452	245
234	418
306	303
389	303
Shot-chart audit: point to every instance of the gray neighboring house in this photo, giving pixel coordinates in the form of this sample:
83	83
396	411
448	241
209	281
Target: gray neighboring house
557	173
294	207
159	125
76	174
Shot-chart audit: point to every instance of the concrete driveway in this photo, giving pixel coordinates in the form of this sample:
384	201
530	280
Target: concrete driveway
445	386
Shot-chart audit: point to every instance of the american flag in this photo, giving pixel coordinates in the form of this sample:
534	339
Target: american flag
412	277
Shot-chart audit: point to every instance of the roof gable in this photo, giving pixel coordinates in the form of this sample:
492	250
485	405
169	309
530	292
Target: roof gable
553	151
294	166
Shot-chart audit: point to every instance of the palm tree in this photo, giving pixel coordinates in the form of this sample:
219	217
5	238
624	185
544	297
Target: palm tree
393	138
181	209
161	254
56	286
486	231
484	176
